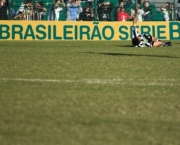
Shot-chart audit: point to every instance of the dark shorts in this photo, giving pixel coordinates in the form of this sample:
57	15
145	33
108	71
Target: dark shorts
149	38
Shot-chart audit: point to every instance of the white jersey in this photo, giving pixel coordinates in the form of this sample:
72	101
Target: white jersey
21	8
145	41
26	10
57	13
140	14
166	14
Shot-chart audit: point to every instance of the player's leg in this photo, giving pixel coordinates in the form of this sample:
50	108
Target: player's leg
158	44
161	44
154	39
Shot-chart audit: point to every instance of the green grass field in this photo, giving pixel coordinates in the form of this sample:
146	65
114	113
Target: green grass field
89	93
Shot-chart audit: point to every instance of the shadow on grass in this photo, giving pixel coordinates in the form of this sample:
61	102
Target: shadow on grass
127	46
126	54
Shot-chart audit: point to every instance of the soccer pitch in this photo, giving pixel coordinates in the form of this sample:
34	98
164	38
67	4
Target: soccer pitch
89	93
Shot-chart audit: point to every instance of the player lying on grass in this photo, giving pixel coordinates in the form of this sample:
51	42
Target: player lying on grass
145	40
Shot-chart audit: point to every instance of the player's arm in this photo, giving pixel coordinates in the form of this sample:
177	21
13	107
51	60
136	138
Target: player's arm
63	3
17	16
134	29
135	18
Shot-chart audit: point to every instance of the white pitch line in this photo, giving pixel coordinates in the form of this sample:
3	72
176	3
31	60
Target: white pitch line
100	81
